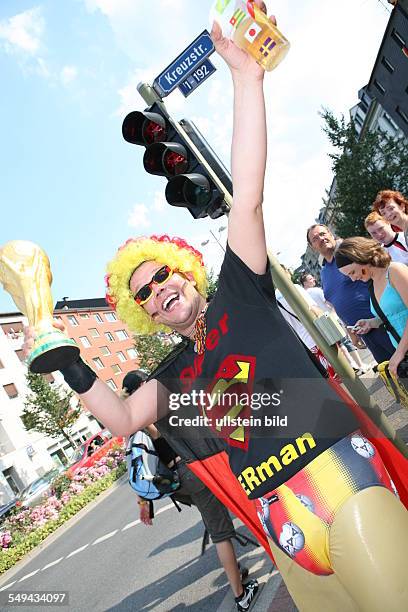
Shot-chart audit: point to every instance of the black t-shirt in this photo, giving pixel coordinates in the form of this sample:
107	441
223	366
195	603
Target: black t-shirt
164	450
255	386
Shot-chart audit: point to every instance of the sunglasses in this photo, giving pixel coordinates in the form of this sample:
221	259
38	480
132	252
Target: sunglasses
159	278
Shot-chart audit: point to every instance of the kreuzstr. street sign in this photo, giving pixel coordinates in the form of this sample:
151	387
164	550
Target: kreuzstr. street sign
200	73
188	61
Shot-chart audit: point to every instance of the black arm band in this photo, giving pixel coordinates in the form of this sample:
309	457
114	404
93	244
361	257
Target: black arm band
79	376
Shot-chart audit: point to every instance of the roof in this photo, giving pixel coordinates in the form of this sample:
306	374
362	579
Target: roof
88	304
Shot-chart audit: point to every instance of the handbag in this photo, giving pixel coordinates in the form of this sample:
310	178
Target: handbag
402	370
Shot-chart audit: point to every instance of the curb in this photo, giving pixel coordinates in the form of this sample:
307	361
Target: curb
4	578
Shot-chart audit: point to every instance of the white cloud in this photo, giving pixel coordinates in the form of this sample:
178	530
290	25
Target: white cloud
141	27
159	201
23	32
68	74
139	216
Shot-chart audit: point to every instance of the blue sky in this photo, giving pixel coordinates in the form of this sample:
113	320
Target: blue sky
69	74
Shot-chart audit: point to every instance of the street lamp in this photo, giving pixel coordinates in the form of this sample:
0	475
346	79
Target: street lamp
220	229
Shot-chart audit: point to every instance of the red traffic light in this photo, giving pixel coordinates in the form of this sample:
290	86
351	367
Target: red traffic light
144	128
166	159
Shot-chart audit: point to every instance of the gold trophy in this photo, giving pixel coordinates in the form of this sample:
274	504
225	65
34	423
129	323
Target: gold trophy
25	274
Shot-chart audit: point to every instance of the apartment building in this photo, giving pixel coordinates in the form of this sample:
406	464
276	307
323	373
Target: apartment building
24	456
105	342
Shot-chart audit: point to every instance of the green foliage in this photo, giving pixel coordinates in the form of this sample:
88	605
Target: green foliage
212	284
47	409
152	350
362	167
61	484
23	544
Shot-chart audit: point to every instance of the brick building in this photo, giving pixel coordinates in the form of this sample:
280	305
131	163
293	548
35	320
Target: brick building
105	342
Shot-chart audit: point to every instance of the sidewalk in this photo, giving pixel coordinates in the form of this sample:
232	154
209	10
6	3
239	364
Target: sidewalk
272	595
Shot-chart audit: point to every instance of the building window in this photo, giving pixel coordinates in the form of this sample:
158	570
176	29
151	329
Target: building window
380	87
72	320
122	334
397	38
84	315
11	390
132	353
85	342
116	368
105	351
402	114
111	384
121	356
387	64
98	362
11	481
94	332
110	316
13	330
109	337
98	317
390	121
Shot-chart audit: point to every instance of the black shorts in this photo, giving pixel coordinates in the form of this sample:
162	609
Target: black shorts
214	514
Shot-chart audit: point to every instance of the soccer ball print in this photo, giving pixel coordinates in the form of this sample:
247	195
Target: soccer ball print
362	446
291	538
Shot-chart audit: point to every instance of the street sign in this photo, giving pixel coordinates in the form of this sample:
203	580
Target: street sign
186	63
200	74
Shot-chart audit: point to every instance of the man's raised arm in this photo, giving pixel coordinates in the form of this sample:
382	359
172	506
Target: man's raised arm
246	234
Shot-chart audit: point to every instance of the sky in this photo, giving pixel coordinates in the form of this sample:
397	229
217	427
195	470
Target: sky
69	71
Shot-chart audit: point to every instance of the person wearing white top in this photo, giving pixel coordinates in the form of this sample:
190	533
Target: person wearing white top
381	231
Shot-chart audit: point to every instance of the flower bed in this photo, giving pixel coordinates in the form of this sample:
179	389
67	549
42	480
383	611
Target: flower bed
24	530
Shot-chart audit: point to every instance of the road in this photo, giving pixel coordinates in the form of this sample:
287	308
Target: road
107	562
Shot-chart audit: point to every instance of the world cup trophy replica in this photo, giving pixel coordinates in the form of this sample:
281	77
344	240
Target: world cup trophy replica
26	275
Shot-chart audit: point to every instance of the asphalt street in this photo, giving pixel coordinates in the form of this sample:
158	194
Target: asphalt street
107	562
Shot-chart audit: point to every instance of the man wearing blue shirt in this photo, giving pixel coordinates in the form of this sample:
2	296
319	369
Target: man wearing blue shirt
350	299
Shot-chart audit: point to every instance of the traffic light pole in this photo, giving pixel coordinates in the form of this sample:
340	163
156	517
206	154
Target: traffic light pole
353	385
150	96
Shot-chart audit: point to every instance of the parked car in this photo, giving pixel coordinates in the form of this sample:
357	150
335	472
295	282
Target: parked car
39	489
6	509
92	450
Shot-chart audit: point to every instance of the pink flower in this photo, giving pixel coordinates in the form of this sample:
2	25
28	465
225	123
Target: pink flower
5	539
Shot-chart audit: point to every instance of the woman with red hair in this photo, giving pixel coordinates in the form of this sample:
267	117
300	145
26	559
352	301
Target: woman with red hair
393	206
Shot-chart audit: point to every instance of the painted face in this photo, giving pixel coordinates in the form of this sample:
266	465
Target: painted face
322	240
356	272
381	231
174	302
392	212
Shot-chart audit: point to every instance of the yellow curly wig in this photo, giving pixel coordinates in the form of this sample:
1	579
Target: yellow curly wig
174	252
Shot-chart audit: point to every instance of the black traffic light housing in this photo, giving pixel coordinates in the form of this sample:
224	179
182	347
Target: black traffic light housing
170	154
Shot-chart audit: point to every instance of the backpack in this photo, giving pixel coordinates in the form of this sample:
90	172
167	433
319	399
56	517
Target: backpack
148	475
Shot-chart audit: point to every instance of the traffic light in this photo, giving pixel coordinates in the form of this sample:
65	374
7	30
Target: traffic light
168	154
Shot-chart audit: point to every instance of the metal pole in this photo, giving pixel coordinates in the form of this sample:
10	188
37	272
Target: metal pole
354	386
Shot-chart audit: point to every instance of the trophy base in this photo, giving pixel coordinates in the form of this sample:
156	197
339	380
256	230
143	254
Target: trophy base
52	352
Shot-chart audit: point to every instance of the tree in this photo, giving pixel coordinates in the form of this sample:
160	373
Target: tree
212	284
362	167
153	349
48	409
